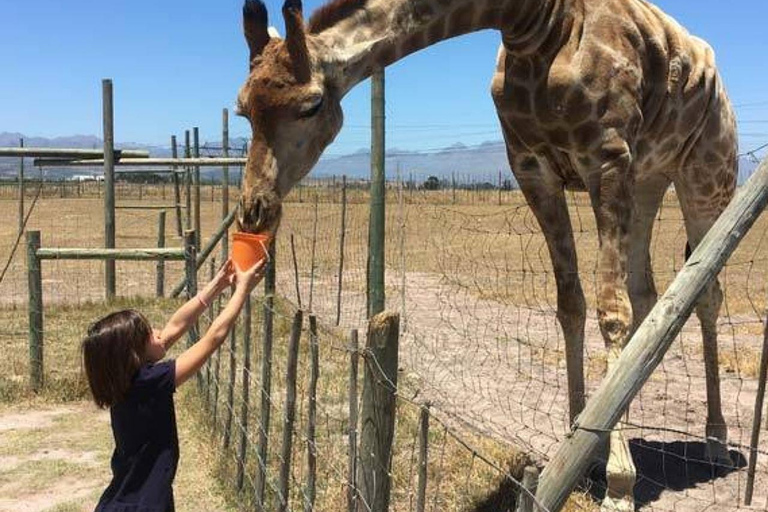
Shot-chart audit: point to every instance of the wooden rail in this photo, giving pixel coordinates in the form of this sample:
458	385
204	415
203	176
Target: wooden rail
168	253
142	162
68	154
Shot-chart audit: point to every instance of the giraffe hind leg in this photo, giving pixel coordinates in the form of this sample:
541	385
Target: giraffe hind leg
700	210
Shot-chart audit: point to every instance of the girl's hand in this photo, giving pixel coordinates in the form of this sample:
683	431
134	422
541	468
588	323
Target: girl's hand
248	279
225	277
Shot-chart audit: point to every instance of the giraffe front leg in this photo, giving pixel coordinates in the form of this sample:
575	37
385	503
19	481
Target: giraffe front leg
611	195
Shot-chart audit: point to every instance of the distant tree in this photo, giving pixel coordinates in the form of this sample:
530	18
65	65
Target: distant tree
432	183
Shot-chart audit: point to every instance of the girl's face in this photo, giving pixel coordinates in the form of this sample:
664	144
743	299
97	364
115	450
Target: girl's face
155	347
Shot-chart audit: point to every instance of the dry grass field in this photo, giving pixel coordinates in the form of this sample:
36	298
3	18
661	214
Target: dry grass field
460	268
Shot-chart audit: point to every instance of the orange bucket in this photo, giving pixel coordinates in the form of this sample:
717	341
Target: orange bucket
248	248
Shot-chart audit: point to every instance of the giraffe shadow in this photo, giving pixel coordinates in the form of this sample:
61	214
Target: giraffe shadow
667	466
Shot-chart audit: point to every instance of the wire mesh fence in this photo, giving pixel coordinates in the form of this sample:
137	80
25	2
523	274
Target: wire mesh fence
469	272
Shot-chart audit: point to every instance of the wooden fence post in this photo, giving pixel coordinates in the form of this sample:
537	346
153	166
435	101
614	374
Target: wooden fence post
314	351
378	412
160	266
757	419
525	500
650	342
35	283
354	356
196	142
421	493
377	223
176	189
190	269
342	236
312	257
289	412
225	181
21	190
188	180
231	386
266	381
109	185
242	452
296	272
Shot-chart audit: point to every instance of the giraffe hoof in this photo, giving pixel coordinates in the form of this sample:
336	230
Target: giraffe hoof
717	445
617	504
717	453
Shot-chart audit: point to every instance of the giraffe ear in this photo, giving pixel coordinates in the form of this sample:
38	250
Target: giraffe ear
296	39
255	22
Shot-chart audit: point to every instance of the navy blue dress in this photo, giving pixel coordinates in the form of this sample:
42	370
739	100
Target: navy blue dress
146	444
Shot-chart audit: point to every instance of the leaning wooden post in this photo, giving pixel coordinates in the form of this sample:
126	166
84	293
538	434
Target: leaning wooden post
242	451
35	283
21	190
525	500
160	266
225	180
176	189
314	351
109	185
354	353
378	412
342	236
650	342
421	494
196	142
266	380
190	270
757	419
289	411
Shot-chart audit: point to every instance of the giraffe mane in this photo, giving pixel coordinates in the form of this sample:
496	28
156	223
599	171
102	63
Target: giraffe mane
333	12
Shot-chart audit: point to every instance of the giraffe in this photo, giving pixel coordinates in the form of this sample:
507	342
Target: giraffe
610	97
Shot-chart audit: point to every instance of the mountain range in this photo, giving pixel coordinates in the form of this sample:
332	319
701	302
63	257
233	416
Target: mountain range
477	163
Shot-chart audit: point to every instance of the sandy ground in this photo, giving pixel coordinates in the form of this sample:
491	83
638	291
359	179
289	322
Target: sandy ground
56	458
500	369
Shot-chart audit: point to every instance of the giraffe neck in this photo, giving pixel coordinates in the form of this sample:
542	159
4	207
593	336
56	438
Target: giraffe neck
386	31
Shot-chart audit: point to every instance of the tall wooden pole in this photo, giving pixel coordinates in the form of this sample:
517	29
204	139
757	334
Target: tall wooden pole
225	180
21	190
176	190
109	185
196	142
188	180
376	226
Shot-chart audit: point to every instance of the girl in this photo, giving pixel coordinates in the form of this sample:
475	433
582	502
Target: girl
121	355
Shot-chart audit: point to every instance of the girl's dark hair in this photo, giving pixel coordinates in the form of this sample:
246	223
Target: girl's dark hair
113	350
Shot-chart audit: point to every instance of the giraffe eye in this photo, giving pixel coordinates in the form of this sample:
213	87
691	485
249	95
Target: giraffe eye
312	108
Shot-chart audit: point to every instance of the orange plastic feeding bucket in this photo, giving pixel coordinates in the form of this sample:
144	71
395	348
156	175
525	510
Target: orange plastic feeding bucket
248	249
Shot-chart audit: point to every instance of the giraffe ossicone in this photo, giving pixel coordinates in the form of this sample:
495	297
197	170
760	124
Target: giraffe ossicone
611	97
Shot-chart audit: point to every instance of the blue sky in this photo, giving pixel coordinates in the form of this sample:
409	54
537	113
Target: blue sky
177	64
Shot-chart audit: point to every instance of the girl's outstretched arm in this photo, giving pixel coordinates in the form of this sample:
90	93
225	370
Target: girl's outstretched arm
191	360
187	315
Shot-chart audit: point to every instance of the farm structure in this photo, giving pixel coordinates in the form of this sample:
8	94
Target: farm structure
469	371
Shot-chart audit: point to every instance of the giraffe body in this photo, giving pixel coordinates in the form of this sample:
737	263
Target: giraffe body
611	97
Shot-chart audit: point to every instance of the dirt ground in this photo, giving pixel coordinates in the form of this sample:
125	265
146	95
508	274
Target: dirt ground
481	333
55	458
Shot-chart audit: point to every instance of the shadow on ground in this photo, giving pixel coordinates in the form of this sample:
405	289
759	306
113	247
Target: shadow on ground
674	466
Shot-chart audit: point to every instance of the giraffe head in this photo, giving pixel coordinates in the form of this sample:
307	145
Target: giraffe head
293	107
